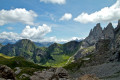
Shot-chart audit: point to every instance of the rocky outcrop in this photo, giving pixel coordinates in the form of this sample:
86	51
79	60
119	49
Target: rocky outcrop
24	75
6	72
51	74
18	70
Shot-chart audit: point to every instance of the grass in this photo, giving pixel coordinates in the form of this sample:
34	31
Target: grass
73	66
59	60
26	66
4	56
88	49
13	62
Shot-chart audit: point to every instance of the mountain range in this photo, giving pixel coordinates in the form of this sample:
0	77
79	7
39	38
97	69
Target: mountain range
99	50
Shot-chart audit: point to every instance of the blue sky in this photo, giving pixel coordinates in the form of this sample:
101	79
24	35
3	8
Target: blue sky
57	26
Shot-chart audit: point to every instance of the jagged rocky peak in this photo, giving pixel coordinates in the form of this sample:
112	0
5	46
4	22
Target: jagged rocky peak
97	31
109	32
95	34
118	27
119	22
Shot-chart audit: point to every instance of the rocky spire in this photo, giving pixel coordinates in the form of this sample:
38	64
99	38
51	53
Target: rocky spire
97	31
117	29
91	31
119	22
109	32
95	34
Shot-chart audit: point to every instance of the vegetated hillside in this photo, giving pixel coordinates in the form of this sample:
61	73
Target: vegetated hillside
25	66
13	62
26	49
62	52
51	56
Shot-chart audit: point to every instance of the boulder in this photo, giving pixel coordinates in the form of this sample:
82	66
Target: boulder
61	73
6	72
51	74
18	70
24	76
44	75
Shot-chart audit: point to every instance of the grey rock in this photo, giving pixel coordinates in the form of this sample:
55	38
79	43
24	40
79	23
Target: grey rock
24	76
61	73
98	33
18	70
109	32
6	72
101	71
51	74
94	35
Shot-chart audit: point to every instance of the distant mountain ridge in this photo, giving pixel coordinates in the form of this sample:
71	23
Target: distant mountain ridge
26	49
43	44
31	52
6	41
40	44
58	54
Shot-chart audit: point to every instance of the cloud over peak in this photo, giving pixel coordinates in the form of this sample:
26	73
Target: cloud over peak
106	14
66	16
17	15
54	1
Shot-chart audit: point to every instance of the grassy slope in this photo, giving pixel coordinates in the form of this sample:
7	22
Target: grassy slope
7	57
17	62
59	60
62	53
26	66
76	65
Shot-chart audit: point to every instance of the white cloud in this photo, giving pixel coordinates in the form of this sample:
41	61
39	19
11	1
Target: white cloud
106	14
54	1
32	33
66	16
17	15
35	33
10	35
